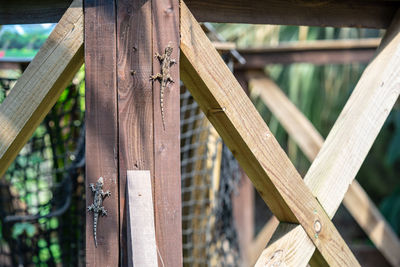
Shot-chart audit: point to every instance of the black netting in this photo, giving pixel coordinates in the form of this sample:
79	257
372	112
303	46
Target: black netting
41	202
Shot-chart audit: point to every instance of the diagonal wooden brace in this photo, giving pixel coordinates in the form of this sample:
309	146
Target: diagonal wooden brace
310	142
349	141
259	154
41	84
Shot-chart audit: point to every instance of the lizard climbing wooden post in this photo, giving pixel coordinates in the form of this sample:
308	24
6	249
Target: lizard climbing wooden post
164	77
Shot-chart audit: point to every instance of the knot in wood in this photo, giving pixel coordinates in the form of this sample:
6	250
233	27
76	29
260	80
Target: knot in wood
276	259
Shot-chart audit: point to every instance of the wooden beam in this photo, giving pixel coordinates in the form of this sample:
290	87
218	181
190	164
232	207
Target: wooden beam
315	52
14	63
101	128
144	28
142	248
41	84
310	142
351	137
27	12
235	118
337	13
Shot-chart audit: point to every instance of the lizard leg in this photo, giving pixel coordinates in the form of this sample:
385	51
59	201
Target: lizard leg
92	187
172	62
105	194
103	211
90	208
159	57
158	76
170	80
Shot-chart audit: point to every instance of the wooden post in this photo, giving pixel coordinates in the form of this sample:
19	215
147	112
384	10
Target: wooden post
145	27
101	128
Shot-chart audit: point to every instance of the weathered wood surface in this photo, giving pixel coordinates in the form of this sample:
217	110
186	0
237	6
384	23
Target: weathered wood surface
337	13
233	115
167	168
143	28
142	247
41	84
101	128
310	142
316	52
352	136
37	11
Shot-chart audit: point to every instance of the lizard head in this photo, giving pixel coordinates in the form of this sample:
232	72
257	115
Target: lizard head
168	49
100	182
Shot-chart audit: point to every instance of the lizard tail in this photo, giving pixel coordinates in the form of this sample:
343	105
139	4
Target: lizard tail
96	217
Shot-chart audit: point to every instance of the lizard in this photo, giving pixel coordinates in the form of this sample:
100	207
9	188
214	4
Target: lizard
97	206
164	77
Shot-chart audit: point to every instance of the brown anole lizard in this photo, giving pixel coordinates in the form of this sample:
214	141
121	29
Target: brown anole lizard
164	77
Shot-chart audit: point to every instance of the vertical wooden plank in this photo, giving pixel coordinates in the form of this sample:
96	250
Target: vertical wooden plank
167	179
145	27
101	128
135	97
243	214
142	249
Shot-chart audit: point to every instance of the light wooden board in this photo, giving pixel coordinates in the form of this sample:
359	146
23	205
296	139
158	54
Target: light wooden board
235	118
142	248
351	137
310	141
101	129
41	84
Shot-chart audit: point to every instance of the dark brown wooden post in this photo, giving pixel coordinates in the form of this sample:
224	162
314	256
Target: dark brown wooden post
145	27
101	128
124	125
167	179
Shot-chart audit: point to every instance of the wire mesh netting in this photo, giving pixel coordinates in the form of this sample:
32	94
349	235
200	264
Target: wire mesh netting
209	176
42	203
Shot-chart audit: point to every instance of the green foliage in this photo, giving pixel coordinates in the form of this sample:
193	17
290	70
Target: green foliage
23	227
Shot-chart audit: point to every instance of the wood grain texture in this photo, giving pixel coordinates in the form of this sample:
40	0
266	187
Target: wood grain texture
135	97
143	28
337	13
38	11
356	128
101	128
41	84
142	248
167	170
259	154
310	141
315	52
